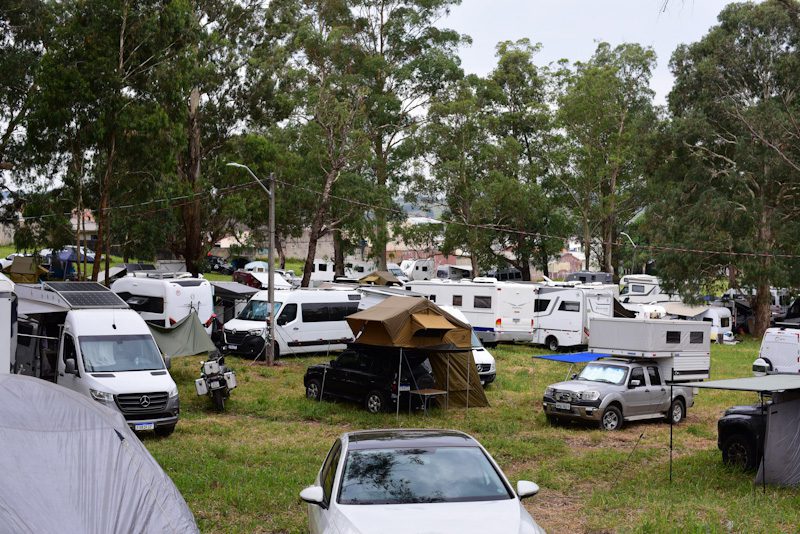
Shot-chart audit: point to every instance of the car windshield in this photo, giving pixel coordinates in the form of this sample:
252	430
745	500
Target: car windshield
256	310
120	353
422	475
476	343
601	372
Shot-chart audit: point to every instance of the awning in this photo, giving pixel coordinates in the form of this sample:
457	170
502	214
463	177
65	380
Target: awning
759	384
576	357
32	307
683	310
233	290
263	279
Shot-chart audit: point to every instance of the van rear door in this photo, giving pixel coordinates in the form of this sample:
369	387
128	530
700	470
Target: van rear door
515	309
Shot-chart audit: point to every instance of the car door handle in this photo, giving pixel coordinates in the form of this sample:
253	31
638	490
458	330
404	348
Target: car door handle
663	390
647	391
296	328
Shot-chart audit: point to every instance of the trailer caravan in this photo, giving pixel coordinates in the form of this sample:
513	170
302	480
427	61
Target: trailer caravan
497	311
453	272
562	315
644	289
82	336
418	269
163	299
718	316
682	348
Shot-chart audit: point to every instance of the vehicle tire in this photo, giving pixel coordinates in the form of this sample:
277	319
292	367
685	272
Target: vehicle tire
611	419
552	343
552	420
219	399
738	450
677	411
165	431
375	402
313	389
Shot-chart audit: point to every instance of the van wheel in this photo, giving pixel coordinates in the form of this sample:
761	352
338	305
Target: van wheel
552	343
375	402
165	431
677	411
313	389
611	419
739	451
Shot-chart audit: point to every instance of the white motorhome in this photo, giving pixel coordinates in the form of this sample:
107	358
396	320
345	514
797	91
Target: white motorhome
497	311
780	351
453	272
84	337
643	289
718	316
682	346
418	269
562	315
163	299
307	320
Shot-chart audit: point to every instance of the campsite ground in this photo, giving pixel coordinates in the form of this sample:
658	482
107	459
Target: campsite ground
241	471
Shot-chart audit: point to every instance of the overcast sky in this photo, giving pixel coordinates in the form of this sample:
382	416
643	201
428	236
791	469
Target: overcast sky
571	28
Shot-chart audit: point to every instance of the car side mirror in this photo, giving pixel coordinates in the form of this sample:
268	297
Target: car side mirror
280	321
70	368
167	361
574	376
526	488
313	495
635	384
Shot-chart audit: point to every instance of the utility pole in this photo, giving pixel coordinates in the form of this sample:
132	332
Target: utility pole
269	345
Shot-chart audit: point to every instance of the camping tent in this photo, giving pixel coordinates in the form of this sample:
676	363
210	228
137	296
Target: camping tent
381	278
185	338
25	270
418	324
71	464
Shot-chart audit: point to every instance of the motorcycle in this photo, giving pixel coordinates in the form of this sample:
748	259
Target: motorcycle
216	380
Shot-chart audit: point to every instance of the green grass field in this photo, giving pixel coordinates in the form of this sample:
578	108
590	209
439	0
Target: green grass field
241	471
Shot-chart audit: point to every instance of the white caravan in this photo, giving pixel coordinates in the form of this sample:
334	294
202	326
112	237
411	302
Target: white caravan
163	299
718	316
307	320
82	336
643	289
453	272
780	351
497	311
418	269
562	315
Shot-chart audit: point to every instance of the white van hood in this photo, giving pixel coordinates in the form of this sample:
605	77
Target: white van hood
241	325
497	517
133	381
481	355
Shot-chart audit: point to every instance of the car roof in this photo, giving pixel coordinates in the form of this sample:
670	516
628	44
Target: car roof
406	438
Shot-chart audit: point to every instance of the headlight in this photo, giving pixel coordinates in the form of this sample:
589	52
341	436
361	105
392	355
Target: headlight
173	392
549	392
101	396
590	395
257	332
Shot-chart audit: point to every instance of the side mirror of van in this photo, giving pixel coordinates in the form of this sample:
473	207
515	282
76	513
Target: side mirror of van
70	368
168	362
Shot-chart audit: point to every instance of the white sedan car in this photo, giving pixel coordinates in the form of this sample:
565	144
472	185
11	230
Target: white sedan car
421	481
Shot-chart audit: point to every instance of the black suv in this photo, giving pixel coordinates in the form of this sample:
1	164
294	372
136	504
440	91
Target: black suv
740	435
369	375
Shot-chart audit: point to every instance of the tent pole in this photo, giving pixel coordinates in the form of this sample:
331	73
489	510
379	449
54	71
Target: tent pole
469	359
399	369
764	449
672	381
447	387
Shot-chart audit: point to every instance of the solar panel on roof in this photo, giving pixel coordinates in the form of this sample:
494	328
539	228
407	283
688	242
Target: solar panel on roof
76	286
92	299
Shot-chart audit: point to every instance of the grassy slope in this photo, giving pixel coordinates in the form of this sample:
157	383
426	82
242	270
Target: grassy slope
241	471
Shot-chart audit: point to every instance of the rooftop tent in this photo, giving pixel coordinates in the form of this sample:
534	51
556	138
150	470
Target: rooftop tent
781	459
70	464
25	270
380	278
418	324
187	337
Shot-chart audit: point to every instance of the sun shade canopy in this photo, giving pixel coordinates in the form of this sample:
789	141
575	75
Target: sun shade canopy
577	357
760	384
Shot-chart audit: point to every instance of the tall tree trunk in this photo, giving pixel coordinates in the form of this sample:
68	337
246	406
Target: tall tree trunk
281	253
587	241
473	261
316	226
190	173
338	252
525	268
381	230
103	234
545	268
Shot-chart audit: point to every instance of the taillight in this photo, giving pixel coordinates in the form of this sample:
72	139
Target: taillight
394	386
498	322
172	321
531	323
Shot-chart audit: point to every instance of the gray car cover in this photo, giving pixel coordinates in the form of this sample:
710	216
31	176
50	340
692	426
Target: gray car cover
69	464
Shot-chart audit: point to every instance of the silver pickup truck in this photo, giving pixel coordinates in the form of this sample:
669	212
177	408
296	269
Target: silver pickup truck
613	390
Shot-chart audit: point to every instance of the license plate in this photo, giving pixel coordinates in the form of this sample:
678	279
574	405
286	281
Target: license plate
233	347
563	406
516	319
404	387
144	426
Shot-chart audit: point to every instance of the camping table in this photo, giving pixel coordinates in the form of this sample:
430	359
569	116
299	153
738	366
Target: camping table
426	395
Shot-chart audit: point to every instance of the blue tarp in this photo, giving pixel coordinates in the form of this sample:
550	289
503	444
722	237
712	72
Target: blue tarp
577	357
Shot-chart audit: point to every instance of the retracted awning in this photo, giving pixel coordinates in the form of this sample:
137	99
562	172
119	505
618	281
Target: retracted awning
759	384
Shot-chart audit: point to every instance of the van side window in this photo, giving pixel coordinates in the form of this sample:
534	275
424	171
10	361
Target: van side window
570	306
314	313
541	305
141	303
673	337
655	377
695	337
483	302
323	267
457	300
725	322
638	374
636	288
287	315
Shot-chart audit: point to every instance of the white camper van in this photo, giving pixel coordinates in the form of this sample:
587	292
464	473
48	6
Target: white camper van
418	269
562	315
163	299
307	320
497	311
84	337
643	289
453	272
780	351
